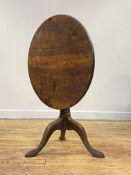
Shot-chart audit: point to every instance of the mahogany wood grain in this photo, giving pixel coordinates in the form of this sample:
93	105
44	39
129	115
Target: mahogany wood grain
61	61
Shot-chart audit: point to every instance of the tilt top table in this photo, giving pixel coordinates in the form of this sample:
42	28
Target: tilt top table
61	66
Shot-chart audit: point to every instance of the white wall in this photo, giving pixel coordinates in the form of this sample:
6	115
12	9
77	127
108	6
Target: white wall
109	25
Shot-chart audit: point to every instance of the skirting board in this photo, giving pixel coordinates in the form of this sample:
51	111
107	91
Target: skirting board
51	114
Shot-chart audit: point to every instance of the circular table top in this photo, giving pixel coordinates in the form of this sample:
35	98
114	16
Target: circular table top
61	62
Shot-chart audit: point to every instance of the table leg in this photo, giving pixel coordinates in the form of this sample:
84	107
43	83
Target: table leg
73	125
47	133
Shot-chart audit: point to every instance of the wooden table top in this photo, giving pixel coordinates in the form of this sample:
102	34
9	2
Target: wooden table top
61	62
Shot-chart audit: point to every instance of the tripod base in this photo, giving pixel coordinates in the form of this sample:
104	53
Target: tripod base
63	123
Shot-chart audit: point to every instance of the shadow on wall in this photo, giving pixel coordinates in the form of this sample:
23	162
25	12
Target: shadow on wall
115	95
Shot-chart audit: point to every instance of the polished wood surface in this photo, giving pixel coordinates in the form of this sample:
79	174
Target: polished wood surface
65	157
61	62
